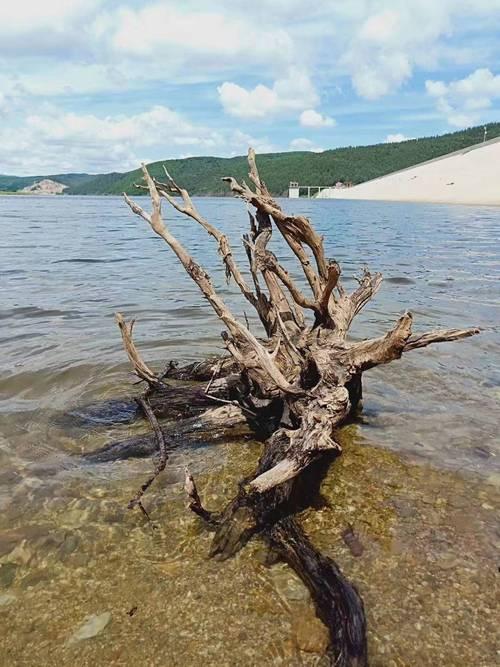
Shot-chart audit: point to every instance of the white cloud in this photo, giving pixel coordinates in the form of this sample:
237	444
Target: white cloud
49	14
51	27
146	128
150	42
162	28
462	100
393	38
391	41
383	40
380	28
291	93
480	83
241	141
56	141
52	141
10	98
436	88
92	58
396	138
302	144
311	118
5	103
68	78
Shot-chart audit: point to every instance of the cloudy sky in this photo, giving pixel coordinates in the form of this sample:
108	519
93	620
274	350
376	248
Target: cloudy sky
99	85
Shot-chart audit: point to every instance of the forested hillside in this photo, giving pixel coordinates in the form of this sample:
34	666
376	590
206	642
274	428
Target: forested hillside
202	175
15	183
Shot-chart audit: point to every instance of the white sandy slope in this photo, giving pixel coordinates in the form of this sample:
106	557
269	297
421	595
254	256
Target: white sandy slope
45	187
469	176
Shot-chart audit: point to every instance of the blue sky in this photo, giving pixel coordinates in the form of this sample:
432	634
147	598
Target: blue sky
100	85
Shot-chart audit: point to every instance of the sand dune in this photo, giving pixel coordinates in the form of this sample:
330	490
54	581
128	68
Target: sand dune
469	176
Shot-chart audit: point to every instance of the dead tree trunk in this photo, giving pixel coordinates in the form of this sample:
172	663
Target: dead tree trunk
305	373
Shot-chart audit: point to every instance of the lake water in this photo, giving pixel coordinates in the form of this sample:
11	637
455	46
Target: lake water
68	547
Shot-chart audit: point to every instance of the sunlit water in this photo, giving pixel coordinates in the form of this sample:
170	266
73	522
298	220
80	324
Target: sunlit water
68	546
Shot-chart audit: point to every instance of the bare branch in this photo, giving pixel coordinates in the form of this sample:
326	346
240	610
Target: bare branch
349	305
141	369
368	287
195	504
382	350
261	358
264	261
162	461
439	336
296	230
292	349
225	251
327	408
138	210
331	283
239	190
254	176
269	261
299	386
376	351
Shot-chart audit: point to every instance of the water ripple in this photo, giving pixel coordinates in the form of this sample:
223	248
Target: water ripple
69	264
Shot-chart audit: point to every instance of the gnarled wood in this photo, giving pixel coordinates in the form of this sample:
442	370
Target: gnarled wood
299	385
338	603
173	401
163	455
254	355
141	369
212	425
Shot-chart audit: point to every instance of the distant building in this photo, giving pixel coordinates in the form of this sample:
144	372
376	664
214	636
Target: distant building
312	190
293	190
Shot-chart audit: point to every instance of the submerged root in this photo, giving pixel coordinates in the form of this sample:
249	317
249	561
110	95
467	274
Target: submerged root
294	388
167	402
337	602
162	459
210	426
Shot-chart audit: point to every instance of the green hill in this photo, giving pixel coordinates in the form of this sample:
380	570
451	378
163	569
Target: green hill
15	183
202	175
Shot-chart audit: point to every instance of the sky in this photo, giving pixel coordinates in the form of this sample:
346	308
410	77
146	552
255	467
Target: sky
101	85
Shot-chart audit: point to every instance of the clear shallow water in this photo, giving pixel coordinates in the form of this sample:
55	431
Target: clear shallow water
68	547
68	264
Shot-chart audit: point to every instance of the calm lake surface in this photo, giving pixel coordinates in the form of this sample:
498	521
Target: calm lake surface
68	547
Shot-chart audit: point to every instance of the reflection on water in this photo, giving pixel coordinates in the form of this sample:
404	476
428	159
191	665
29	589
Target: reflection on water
68	547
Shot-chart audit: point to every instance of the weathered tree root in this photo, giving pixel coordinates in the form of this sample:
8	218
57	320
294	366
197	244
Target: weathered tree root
162	460
168	401
212	519
212	425
337	602
297	387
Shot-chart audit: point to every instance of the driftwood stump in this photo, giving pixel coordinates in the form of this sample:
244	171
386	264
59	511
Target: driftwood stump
296	385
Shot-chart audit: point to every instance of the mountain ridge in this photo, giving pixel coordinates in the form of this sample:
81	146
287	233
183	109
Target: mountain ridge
202	175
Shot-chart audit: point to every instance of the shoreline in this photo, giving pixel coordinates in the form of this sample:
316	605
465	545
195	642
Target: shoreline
440	202
466	177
